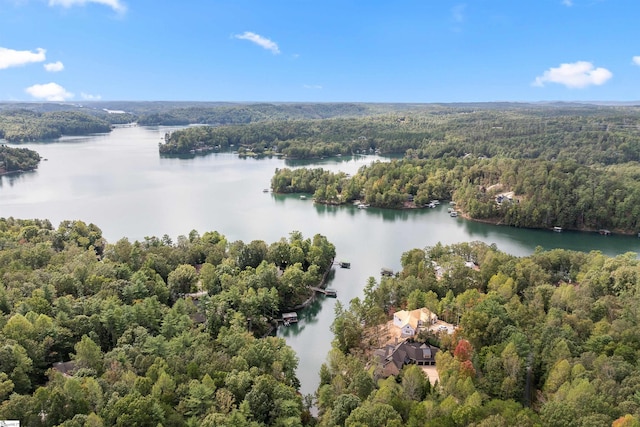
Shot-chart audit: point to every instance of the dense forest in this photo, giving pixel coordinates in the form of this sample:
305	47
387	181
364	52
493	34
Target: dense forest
586	134
517	192
17	159
25	125
158	333
551	339
237	114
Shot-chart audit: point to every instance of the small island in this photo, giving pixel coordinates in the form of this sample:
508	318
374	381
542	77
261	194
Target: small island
14	160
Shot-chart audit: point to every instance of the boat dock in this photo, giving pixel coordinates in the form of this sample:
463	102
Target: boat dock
289	318
327	292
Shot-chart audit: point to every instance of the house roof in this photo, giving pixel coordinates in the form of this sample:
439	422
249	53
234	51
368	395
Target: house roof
65	368
420	352
414	316
393	358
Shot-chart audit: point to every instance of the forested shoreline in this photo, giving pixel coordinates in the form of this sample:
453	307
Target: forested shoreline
157	332
172	333
549	339
24	125
586	134
516	192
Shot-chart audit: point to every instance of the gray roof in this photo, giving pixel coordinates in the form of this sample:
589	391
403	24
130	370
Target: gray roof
406	353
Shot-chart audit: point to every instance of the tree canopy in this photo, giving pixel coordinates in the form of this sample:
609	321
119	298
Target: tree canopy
547	339
151	332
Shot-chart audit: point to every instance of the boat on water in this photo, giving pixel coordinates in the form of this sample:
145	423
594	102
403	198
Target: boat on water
453	214
344	264
303	197
362	206
557	229
604	232
266	190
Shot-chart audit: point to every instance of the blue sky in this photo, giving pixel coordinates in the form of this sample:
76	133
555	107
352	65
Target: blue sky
320	51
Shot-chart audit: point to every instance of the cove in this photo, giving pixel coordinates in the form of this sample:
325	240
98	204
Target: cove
119	182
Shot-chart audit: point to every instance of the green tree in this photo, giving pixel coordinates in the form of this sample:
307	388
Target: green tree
88	355
182	280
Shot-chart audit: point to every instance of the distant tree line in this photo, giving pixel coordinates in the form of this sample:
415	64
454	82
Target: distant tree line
234	114
588	135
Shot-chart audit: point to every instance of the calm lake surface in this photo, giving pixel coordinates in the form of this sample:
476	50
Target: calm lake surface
119	182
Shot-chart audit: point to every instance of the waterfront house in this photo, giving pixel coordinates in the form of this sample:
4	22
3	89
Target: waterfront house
410	322
392	358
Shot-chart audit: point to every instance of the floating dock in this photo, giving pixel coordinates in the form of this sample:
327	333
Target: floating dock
289	318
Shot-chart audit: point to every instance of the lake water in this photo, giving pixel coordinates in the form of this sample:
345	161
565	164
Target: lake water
119	182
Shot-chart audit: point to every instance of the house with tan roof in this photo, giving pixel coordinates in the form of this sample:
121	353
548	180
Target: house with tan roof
410	322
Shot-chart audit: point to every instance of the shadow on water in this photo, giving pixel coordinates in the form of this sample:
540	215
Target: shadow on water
13	178
328	210
584	241
326	160
307	316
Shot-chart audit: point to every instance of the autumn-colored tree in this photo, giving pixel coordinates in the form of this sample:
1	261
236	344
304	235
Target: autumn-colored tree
626	421
463	351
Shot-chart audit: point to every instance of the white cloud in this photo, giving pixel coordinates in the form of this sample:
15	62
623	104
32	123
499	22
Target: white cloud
54	67
576	75
116	5
259	40
49	92
16	58
567	3
636	60
312	86
457	12
89	97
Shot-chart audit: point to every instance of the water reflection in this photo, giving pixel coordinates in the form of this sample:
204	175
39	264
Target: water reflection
13	178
